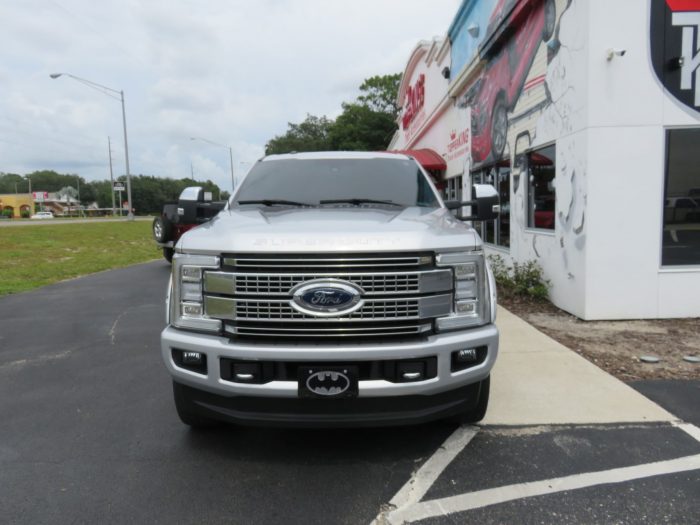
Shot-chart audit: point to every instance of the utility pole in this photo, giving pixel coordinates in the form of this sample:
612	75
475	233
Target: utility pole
111	175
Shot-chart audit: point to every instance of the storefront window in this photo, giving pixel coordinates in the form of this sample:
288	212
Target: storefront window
453	190
497	231
681	230
541	191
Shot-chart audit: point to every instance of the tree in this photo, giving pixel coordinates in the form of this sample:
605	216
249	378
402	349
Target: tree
309	135
379	93
359	128
368	123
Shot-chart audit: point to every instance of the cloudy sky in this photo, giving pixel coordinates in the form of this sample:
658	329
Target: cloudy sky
230	71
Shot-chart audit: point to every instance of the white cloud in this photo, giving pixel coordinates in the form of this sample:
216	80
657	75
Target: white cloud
234	72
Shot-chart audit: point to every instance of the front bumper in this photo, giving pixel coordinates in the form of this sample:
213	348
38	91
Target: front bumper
431	398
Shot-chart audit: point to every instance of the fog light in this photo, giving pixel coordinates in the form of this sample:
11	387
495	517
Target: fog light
468	358
467	355
191	358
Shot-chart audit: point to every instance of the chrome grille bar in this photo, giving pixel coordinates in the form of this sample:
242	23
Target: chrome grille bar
382	331
280	310
243	261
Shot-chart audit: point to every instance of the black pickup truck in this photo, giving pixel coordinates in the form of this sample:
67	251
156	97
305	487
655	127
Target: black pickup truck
194	207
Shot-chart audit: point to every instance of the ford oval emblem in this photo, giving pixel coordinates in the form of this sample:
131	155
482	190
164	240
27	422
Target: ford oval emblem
328	383
326	297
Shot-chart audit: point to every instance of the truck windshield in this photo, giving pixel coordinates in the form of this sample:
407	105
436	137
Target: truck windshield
328	182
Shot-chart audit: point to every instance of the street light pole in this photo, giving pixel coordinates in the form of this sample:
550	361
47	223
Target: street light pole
130	215
108	91
230	156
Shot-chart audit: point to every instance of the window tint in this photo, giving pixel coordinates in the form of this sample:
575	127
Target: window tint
681	229
313	180
541	194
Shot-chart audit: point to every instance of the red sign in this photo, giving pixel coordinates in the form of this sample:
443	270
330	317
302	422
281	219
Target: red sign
415	97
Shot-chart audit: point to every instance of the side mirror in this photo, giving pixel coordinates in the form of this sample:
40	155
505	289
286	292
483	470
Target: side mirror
485	203
488	204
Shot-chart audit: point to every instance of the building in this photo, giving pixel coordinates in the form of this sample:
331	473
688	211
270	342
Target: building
17	204
585	115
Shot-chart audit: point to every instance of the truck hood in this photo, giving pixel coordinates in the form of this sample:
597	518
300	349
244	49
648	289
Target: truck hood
331	229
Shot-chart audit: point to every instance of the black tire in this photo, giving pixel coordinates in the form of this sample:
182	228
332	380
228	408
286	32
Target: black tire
187	410
550	19
162	229
479	411
168	254
499	129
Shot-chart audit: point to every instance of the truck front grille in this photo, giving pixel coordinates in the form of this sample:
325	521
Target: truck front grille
401	294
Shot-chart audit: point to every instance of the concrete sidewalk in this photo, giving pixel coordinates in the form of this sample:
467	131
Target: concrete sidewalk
538	381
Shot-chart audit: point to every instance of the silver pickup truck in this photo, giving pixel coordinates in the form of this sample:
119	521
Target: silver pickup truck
334	289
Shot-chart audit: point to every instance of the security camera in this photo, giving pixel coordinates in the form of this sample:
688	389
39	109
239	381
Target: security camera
615	52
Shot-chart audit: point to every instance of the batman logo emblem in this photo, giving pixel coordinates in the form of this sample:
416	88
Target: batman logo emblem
328	383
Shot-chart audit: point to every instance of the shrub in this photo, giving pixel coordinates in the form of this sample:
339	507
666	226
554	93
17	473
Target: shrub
25	214
7	212
520	280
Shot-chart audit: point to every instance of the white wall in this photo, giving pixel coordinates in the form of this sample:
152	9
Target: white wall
628	114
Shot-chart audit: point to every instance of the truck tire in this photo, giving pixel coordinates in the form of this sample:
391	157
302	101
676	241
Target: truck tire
479	411
187	410
162	229
168	254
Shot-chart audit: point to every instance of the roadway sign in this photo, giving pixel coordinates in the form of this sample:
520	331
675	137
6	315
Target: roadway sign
119	186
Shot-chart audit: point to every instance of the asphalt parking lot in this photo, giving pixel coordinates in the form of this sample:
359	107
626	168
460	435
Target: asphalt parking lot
89	434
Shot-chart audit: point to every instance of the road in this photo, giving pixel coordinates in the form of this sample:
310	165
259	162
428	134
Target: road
89	434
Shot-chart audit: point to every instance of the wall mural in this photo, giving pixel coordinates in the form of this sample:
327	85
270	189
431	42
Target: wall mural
507	72
525	96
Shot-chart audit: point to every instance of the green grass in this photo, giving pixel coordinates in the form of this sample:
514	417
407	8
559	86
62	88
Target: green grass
33	256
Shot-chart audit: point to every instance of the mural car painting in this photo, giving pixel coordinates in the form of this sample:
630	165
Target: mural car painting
497	90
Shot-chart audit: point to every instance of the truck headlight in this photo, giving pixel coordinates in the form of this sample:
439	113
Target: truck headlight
186	299
471	296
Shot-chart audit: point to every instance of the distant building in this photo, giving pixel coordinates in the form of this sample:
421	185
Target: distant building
17	203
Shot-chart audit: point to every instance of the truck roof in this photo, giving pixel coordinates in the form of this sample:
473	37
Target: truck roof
336	155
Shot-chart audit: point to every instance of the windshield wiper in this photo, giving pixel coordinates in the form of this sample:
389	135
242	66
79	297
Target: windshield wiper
273	202
357	202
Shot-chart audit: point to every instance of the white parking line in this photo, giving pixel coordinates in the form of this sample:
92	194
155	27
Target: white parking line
689	429
483	498
416	487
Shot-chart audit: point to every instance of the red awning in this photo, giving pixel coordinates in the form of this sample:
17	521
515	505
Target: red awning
427	158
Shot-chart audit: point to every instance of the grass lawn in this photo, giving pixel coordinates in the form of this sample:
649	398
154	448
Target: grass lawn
33	256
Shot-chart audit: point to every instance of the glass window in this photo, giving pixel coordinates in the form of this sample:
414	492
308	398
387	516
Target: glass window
453	189
681	233
497	231
313	180
541	194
